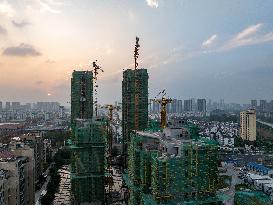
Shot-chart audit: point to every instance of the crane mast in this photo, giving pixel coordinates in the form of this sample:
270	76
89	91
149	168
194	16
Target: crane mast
164	101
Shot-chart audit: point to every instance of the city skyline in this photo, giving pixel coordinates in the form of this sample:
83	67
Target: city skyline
207	49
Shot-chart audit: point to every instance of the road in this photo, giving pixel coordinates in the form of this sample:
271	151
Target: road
38	193
265	123
231	171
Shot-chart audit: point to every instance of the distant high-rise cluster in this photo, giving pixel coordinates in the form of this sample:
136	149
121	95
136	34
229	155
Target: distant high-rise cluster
176	106
17	111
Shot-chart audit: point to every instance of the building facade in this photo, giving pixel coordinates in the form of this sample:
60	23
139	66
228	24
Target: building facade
254	104
134	104
81	95
88	161
174	166
201	105
248	125
18	190
188	106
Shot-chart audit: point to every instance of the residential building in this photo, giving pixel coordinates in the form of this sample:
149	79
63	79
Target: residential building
174	106
180	106
262	105
248	125
15	105
7	107
188	106
201	105
35	141
4	184
254	104
20	149
81	95
87	143
174	166
48	106
18	191
88	161
134	105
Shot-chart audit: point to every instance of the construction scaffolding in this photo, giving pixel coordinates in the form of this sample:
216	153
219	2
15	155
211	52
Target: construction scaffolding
155	177
81	96
88	161
134	112
88	143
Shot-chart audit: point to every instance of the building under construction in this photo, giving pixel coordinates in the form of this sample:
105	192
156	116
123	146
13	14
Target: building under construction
87	143
172	166
88	161
134	104
81	96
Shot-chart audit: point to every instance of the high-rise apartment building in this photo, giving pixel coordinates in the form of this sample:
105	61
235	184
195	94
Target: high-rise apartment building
1	106
180	106
156	107
222	104
15	105
88	161
87	143
254	104
201	105
188	106
262	105
7	107
81	95
174	106
134	104
248	125
48	106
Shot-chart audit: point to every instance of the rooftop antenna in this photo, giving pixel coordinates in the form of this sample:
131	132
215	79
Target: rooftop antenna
96	69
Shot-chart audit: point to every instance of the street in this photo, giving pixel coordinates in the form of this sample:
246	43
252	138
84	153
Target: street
38	193
234	180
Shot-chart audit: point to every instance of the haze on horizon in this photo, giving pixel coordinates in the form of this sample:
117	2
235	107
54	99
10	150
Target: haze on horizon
210	49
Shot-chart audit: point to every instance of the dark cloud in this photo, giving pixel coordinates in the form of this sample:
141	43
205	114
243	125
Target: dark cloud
21	24
3	31
22	50
39	82
50	61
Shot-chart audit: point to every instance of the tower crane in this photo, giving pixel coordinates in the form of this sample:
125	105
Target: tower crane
96	69
163	101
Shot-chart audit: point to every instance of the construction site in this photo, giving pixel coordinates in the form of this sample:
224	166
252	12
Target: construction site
163	162
172	166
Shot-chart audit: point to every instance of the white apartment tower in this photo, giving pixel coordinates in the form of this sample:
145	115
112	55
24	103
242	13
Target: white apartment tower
248	125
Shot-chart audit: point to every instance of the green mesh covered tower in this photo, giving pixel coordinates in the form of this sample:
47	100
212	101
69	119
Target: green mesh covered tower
81	95
134	105
88	161
172	166
87	143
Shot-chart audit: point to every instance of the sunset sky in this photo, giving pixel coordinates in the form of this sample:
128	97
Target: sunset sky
193	48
